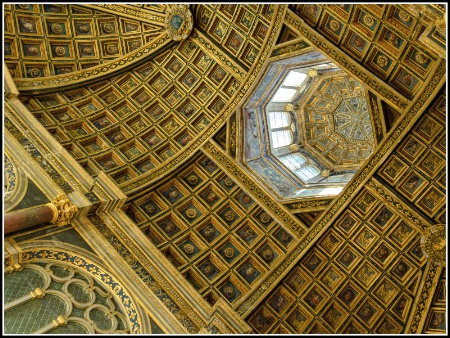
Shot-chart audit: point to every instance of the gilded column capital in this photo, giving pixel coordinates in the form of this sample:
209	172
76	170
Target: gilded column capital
433	243
63	210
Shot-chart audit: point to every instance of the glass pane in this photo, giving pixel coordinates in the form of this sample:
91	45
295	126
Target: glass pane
331	191
294	79
293	162
284	95
281	138
279	119
307	172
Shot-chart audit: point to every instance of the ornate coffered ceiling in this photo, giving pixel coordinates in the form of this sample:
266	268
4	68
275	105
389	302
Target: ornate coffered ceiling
50	40
164	125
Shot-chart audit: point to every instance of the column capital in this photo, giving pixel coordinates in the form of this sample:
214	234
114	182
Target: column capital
63	210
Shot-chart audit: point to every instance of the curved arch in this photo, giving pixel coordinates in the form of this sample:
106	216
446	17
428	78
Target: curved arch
16	182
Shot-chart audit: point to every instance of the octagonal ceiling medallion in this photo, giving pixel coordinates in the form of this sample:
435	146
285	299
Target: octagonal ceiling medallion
334	122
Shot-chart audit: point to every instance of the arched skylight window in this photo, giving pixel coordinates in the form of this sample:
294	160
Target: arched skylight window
281	138
284	95
300	166
294	79
279	119
289	86
281	134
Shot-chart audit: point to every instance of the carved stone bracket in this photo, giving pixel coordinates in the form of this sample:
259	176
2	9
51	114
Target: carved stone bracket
433	243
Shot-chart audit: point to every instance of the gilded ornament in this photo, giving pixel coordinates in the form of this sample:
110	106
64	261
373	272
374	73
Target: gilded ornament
111	49
211	196
228	182
192	180
28	25
189	249
56	28
312	73
289	107
63	210
208	232
382	61
208	269
368	20
404	16
248	235
421	58
23	6
334	25
246	199
264	217
174	194
325	173
150	209
294	147
33	50
169	227
60	51
250	271
229	292
88	50
229	215
179	22
228	253
433	244
191	213
267	255
83	28
108	28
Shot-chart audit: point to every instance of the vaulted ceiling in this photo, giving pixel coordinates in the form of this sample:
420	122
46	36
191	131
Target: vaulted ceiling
164	119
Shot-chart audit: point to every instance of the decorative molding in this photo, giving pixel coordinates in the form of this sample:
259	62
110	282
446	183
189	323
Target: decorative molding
16	182
423	301
155	281
391	198
10	124
131	12
218	54
308	204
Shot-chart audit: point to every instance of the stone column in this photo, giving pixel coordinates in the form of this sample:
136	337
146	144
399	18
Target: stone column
59	212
